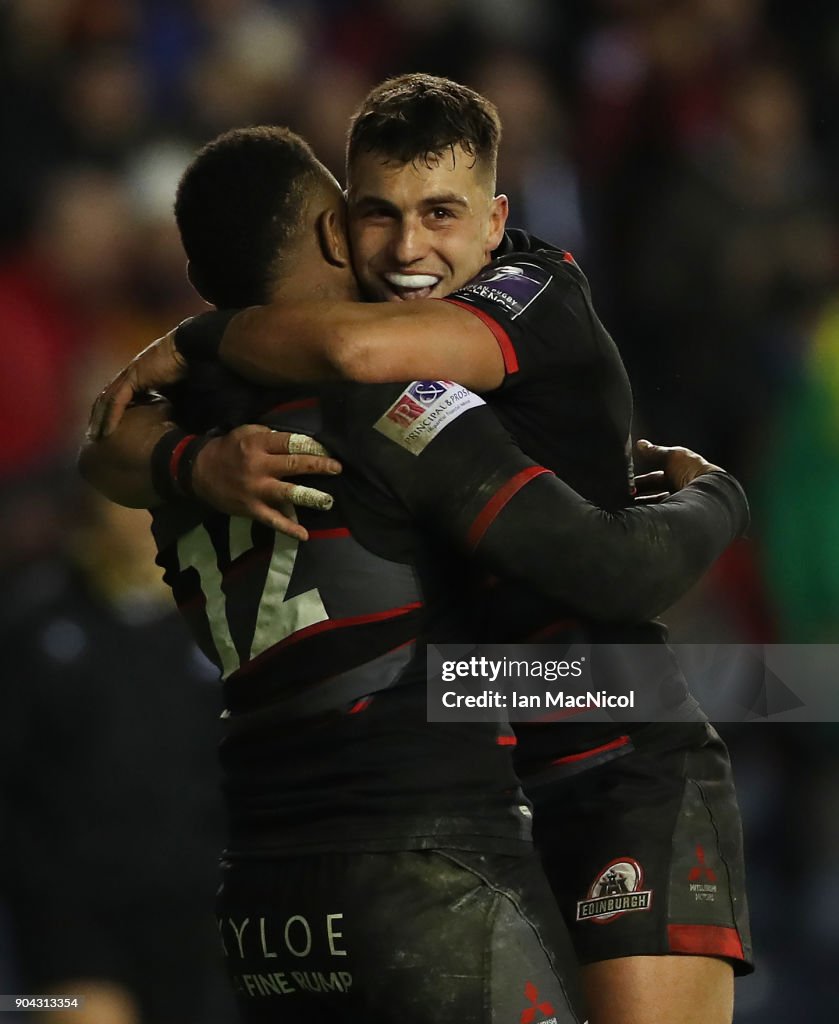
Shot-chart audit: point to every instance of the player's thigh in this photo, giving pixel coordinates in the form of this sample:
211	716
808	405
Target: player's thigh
470	937
417	937
645	855
659	990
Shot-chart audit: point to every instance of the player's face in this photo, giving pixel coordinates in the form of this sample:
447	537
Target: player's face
420	232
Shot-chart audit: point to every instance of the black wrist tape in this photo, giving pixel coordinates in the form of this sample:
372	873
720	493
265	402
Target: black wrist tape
173	461
199	337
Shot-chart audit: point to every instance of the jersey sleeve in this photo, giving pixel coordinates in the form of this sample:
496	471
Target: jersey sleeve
454	469
537	306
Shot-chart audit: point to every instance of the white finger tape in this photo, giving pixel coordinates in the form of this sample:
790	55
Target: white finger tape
310	497
302	444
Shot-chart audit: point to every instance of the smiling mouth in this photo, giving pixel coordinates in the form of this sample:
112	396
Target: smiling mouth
412	286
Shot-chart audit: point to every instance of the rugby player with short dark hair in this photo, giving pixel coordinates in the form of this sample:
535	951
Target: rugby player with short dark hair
447	196
377	868
303	640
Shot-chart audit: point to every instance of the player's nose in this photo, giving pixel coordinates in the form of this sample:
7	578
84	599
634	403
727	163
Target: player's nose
409	244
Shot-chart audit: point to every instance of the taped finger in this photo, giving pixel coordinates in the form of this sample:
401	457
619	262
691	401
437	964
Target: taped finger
311	497
302	444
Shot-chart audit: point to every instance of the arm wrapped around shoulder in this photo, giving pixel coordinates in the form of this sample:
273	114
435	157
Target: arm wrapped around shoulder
199	337
629	565
456	470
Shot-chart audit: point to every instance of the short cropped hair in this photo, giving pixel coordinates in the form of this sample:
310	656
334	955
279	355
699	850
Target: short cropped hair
417	117
239	206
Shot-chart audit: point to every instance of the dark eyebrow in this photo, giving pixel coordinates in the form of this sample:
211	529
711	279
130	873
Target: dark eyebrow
446	199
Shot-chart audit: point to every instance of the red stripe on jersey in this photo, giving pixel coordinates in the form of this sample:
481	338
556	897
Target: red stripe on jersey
506	741
621	741
489	513
705	940
328	625
338	531
175	458
298	403
354	620
508	353
360	705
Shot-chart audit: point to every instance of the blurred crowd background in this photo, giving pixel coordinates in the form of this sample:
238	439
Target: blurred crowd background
684	150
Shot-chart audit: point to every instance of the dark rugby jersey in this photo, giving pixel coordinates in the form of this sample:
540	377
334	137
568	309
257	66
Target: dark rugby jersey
567	400
305	633
327	743
278	617
566	396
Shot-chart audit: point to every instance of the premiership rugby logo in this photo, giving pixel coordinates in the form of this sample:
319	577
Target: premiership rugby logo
616	891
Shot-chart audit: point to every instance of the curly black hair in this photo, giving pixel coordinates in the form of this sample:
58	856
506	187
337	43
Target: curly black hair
238	205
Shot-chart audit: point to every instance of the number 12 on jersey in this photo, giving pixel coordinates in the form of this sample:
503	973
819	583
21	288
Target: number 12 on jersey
274	617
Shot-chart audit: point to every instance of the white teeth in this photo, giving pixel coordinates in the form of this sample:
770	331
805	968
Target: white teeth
412	280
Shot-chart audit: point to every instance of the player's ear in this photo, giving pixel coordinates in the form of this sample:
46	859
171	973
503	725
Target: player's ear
194	276
498	211
332	236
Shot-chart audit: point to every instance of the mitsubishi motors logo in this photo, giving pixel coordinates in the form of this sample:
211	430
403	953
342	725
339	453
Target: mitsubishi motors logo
528	1015
702	879
701	868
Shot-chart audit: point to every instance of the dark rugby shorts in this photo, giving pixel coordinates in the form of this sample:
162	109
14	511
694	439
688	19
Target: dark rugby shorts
645	851
417	937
